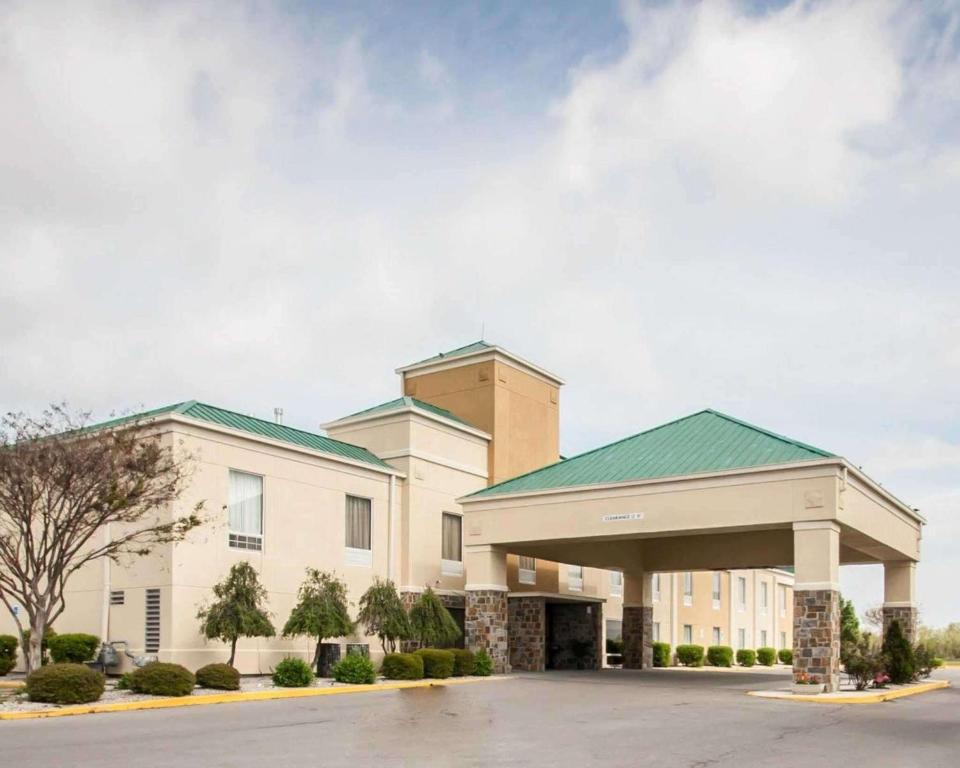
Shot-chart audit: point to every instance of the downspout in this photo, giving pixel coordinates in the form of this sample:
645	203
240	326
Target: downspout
105	608
392	530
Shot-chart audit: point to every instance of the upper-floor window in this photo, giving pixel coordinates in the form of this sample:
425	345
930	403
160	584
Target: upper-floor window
783	600
359	534
616	583
687	588
575	577
742	592
656	587
764	597
452	545
245	511
716	589
528	570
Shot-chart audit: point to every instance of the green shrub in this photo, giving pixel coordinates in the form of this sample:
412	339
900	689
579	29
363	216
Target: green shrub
402	666
65	684
936	662
767	656
436	663
8	653
690	655
73	648
901	661
661	654
463	662
482	663
221	677
162	679
292	673
746	657
615	646
864	665
125	682
356	669
720	656
785	655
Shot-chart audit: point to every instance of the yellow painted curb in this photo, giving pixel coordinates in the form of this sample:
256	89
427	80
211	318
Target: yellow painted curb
870	698
229	698
11	683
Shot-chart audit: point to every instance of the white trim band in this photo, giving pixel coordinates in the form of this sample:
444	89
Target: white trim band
816	586
487	588
901	604
816	525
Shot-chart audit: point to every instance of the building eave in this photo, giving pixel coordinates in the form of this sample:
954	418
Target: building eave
480	355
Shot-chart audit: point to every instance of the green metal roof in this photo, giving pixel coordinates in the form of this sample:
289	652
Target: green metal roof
707	441
408	402
476	346
254	426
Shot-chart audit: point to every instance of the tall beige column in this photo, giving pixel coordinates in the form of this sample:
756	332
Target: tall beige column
816	601
486	619
900	596
637	619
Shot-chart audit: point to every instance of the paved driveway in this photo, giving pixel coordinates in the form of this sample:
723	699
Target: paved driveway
611	718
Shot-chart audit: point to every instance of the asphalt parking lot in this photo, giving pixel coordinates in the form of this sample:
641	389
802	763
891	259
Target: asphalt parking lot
610	718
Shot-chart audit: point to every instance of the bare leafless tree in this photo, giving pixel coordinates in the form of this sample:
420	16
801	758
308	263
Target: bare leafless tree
70	495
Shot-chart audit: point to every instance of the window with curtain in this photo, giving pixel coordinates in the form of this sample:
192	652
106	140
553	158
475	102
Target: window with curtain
742	592
688	583
741	639
656	631
616	583
764	596
716	586
245	511
358	523
687	634
656	587
527	570
783	600
717	636
452	537
575	577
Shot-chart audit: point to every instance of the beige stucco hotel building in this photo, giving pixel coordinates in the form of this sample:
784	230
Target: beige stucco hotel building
390	492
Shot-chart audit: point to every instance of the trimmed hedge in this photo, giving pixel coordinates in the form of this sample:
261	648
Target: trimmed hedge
65	684
661	654
73	648
402	666
746	657
463	662
356	669
163	679
720	656
785	655
690	655
292	673
221	677
436	663
482	663
767	656
8	653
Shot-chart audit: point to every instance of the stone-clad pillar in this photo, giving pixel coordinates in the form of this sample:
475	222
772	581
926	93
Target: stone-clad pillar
486	619
637	620
816	602
900	596
527	633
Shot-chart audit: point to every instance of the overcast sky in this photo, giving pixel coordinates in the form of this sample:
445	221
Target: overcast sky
751	207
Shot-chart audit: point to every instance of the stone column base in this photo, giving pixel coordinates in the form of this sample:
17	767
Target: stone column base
816	635
487	626
907	615
527	633
637	637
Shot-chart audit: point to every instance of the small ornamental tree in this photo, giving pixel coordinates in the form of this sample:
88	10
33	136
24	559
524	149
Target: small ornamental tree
899	654
432	624
849	630
71	495
382	614
239	609
321	610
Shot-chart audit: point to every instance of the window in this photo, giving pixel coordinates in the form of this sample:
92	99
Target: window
717	636
783	601
245	511
716	590
741	639
687	634
575	578
656	587
117	597
528	570
616	583
357	524
742	592
764	597
656	631
763	638
687	588
614	629
151	634
452	550
783	639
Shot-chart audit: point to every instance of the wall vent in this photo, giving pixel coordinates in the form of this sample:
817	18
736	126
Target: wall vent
151	643
117	597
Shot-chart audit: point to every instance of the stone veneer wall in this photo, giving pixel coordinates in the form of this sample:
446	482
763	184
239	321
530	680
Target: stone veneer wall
816	635
637	631
527	626
575	623
486	624
907	615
